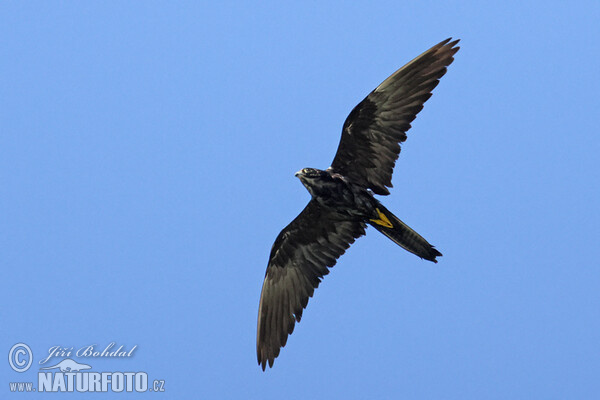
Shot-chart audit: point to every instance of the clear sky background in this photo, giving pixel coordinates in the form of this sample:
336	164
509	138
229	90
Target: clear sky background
147	159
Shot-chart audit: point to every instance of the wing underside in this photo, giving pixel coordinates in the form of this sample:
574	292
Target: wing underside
302	254
373	131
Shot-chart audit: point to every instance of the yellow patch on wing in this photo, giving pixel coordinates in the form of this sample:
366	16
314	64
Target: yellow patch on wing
382	220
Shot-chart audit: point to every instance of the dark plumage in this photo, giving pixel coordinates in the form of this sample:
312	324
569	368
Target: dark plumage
342	201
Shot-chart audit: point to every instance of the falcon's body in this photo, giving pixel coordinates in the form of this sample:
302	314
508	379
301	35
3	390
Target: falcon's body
337	193
342	201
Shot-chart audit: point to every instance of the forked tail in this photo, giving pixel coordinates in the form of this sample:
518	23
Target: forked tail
388	224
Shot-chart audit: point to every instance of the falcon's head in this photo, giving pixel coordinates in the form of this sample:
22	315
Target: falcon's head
313	179
310	173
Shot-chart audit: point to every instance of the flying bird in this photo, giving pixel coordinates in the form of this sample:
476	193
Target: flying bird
342	198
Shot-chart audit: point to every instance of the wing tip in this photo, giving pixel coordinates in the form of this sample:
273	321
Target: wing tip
448	43
447	46
266	358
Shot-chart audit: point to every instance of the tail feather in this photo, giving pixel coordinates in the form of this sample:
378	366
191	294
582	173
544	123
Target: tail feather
401	234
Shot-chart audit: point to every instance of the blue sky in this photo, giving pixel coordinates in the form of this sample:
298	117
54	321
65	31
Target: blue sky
147	153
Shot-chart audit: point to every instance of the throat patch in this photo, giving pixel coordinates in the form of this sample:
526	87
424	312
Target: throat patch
382	220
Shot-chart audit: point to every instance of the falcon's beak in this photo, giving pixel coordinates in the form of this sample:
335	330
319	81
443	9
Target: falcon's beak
299	174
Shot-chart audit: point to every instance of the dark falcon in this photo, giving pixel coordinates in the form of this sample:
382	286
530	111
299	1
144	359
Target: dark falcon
342	202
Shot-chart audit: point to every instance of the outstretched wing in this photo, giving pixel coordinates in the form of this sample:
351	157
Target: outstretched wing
300	257
373	131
